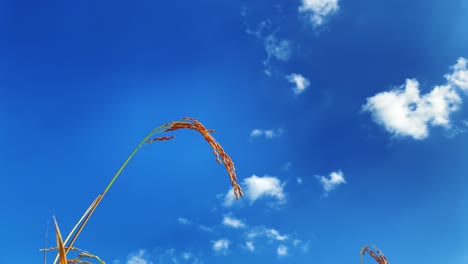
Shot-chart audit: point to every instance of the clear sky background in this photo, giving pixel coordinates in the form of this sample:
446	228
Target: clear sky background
347	122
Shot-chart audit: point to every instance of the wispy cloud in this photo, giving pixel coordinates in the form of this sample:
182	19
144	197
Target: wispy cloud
282	250
183	221
300	83
207	228
404	112
276	48
138	258
233	222
459	76
250	246
318	11
303	246
271	233
268	133
329	183
221	246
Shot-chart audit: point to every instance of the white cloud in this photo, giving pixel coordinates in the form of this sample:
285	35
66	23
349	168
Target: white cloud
459	77
300	82
183	221
404	112
268	133
255	188
221	246
318	11
250	246
259	187
282	250
233	222
336	178
299	180
138	258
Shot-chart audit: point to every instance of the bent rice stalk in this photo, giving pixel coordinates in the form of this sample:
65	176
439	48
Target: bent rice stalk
186	123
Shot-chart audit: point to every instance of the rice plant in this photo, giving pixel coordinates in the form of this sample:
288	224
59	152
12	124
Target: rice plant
65	246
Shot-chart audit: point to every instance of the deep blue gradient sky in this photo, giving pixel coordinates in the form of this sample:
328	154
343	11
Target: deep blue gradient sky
82	82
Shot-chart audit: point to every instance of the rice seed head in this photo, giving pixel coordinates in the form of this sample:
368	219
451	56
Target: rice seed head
218	151
381	259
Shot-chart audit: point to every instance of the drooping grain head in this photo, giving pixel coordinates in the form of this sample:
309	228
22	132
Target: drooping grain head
218	151
381	259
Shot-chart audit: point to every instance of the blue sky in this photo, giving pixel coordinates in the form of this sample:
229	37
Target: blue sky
347	122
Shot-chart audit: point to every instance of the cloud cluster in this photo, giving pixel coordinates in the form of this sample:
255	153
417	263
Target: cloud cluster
262	235
405	112
318	11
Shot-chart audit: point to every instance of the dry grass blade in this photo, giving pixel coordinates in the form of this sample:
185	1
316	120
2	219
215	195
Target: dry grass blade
84	218
60	246
379	257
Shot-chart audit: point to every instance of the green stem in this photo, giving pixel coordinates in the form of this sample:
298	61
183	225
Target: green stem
129	158
94	205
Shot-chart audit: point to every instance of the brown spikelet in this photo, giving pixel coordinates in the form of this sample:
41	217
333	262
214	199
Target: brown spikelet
160	139
218	151
379	257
